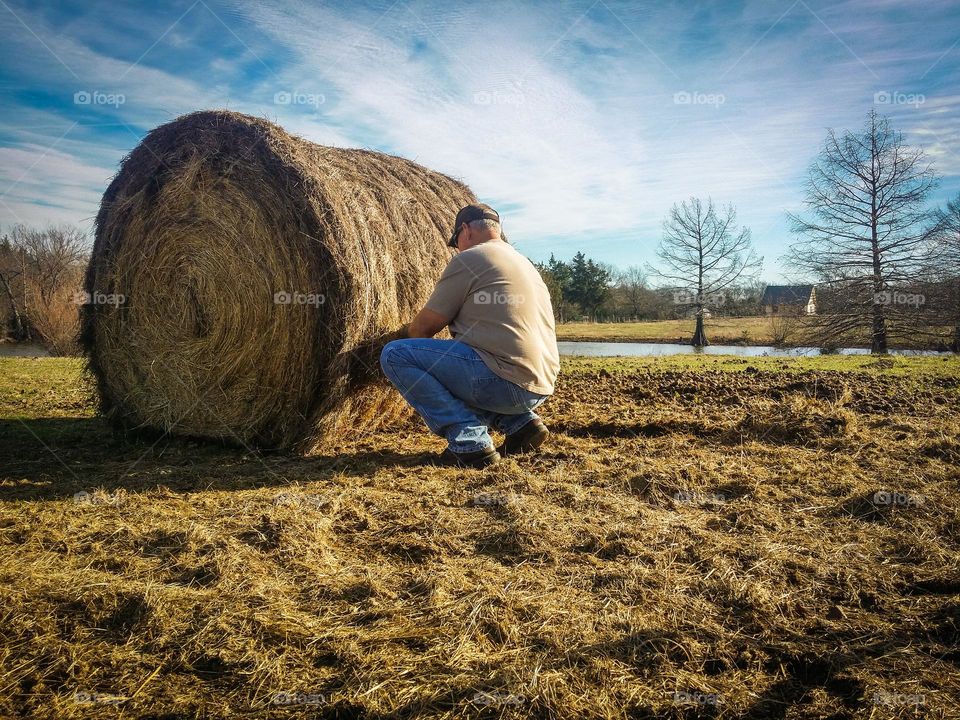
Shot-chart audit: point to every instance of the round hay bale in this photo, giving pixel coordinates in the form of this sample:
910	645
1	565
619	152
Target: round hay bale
243	281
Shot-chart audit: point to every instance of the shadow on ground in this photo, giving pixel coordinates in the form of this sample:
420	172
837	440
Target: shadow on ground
54	458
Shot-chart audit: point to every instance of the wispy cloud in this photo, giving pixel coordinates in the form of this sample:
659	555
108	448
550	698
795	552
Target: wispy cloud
47	185
584	120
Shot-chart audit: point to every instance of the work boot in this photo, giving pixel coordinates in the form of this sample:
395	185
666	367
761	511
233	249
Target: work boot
527	438
478	459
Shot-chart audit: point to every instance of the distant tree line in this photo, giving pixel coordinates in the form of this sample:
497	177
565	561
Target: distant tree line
584	289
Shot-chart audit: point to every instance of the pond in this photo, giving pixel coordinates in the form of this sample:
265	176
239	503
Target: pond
9	349
630	349
601	349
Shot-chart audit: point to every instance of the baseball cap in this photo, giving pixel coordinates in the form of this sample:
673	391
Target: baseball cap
469	213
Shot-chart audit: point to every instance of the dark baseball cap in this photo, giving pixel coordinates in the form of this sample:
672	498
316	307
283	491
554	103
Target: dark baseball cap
477	211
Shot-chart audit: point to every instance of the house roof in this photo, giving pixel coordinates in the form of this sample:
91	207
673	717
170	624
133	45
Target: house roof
787	294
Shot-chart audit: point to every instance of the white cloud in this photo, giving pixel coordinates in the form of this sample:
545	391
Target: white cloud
565	118
496	114
39	185
593	153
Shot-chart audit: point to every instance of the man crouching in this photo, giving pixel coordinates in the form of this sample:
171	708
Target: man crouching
503	360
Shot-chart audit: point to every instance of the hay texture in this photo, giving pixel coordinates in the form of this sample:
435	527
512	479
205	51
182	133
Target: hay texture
254	278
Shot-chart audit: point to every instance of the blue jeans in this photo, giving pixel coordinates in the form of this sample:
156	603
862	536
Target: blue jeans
455	392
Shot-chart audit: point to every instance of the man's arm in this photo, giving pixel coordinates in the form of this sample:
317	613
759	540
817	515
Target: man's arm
426	324
444	302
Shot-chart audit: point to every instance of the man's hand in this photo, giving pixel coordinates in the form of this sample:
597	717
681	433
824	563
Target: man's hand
426	324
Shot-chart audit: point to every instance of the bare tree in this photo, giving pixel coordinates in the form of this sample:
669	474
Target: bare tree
784	325
703	254
945	268
50	275
52	253
632	283
865	232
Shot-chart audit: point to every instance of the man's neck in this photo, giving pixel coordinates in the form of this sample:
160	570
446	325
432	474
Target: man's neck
490	239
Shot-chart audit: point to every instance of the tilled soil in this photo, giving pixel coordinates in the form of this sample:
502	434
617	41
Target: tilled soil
755	543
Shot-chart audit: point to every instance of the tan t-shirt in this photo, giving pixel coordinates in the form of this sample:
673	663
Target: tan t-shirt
501	308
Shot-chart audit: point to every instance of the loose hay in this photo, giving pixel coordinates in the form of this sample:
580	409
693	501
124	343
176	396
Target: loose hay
798	420
611	576
214	221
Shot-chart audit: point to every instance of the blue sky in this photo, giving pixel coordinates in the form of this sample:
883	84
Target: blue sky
582	122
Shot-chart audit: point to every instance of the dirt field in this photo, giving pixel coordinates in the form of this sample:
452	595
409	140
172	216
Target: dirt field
702	537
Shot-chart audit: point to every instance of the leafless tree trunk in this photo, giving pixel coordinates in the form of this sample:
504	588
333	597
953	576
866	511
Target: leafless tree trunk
18	325
704	254
10	270
945	269
864	236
